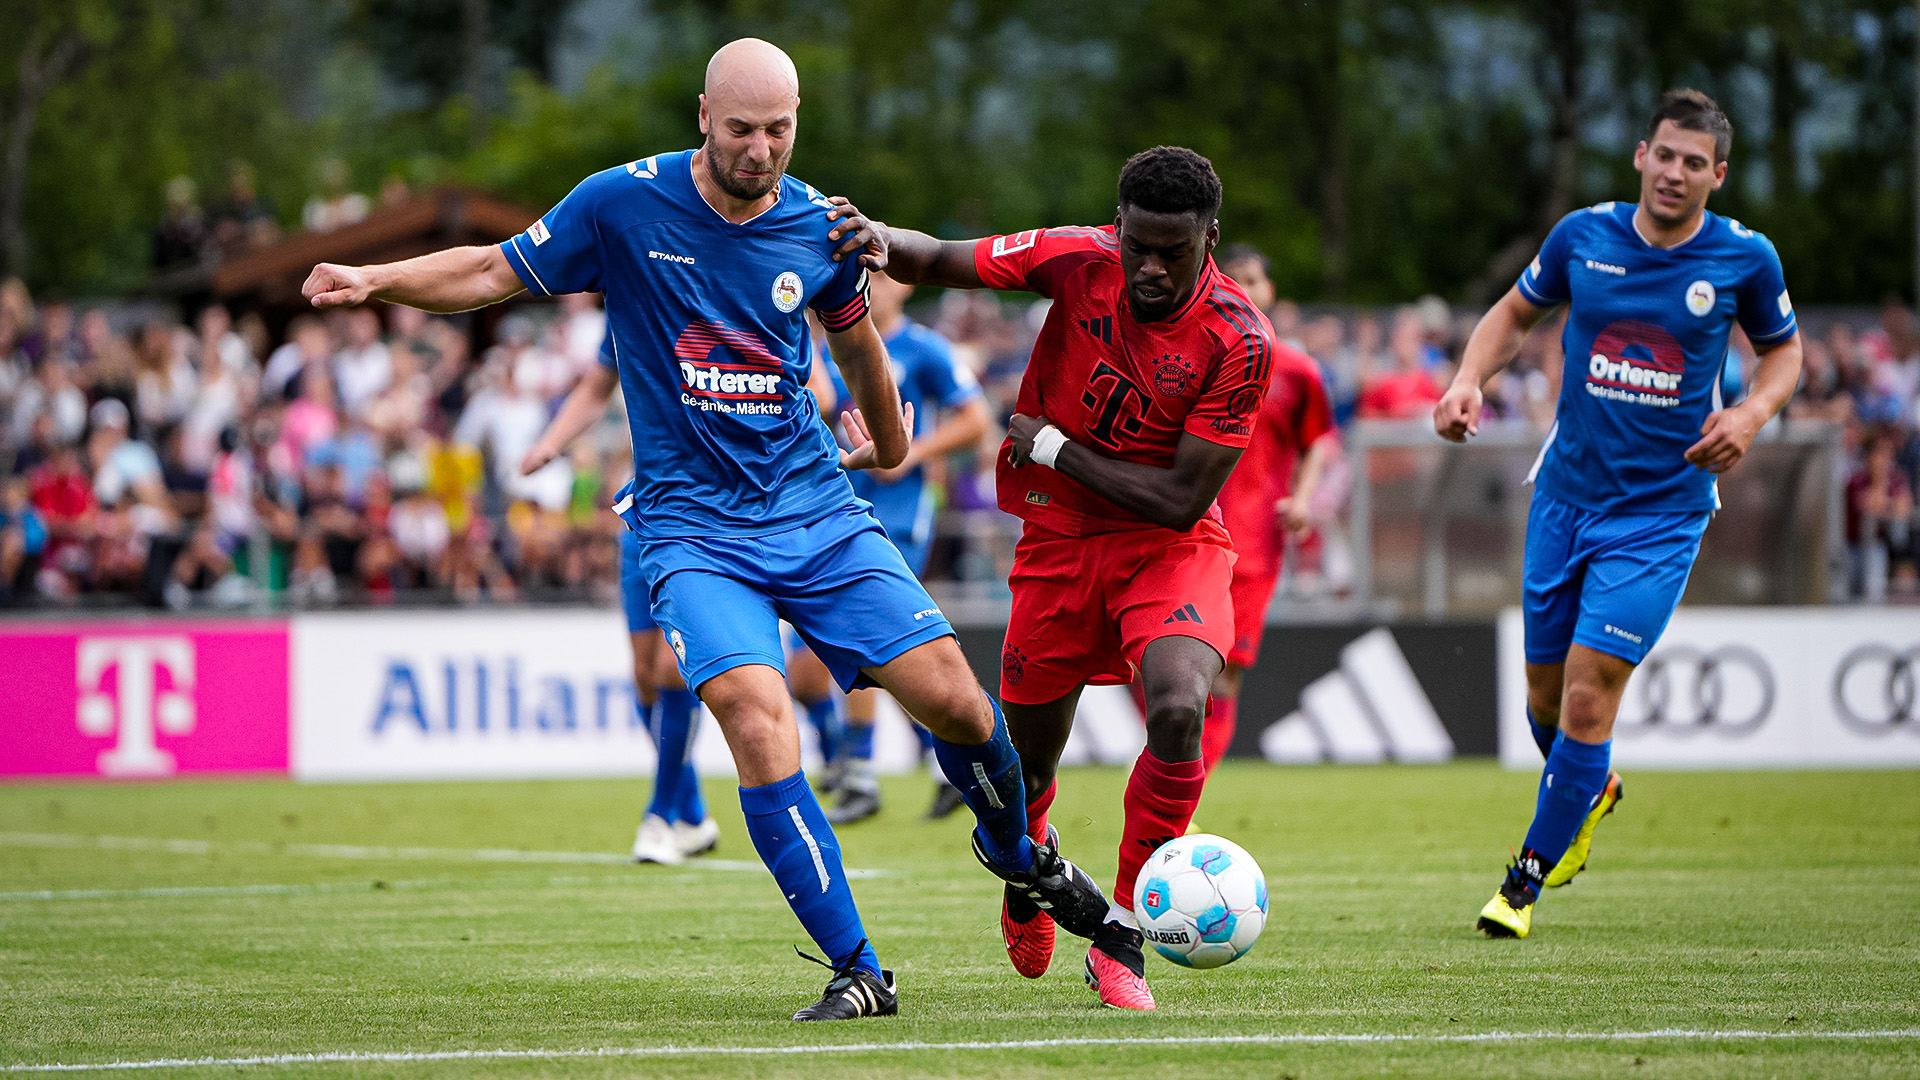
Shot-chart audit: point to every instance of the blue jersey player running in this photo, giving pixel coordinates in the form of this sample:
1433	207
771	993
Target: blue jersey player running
708	259
1626	482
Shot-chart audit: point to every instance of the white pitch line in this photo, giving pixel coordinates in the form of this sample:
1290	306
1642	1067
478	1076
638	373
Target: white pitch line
1301	1039
356	851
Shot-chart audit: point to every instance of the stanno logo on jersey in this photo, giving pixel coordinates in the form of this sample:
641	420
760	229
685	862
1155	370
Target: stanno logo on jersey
538	230
724	370
1638	363
786	291
1700	297
1607	268
684	260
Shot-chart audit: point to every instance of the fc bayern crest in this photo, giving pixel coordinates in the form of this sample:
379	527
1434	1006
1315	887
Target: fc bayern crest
1171	376
1700	297
786	291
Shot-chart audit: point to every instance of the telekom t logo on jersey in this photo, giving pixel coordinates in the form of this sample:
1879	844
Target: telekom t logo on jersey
136	707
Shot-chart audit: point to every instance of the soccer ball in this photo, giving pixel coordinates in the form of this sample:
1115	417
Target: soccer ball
1201	901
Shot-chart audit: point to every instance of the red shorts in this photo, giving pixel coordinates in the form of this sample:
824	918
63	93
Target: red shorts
1251	595
1086	607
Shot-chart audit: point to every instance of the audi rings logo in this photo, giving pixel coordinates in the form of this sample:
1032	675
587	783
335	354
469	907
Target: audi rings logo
1874	688
1682	690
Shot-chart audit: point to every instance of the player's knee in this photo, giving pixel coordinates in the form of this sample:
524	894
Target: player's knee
1173	728
957	712
1587	714
1544	707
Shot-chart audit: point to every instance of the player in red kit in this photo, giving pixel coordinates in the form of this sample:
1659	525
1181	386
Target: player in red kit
1138	400
1266	499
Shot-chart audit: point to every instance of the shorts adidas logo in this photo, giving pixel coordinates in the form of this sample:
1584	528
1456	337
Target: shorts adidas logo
1185	614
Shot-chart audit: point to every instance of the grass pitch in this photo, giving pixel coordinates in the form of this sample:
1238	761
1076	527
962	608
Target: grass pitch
1768	922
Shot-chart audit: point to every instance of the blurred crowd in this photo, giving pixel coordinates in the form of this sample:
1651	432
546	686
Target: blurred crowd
371	456
197	464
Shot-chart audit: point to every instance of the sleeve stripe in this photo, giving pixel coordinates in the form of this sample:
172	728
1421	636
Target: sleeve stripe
1533	295
1781	334
531	272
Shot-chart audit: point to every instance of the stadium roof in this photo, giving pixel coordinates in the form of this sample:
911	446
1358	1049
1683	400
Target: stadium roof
439	218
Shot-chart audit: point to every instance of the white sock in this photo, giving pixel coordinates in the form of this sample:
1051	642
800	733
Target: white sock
1116	913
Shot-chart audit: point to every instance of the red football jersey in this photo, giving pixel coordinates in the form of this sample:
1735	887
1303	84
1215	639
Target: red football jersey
1123	389
1294	415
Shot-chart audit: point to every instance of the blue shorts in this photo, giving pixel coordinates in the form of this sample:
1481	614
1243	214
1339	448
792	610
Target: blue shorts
840	583
633	586
1606	581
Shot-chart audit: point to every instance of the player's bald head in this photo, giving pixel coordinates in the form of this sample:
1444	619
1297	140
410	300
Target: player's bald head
748	114
752	72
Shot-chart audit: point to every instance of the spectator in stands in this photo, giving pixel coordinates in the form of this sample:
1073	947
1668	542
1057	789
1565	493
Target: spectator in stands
164	380
1409	390
23	539
337	205
246	219
363	367
181	240
1879	517
308	345
309	421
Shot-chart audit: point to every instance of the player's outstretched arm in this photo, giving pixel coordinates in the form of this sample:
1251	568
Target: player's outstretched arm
585	405
1727	434
877	426
457	279
1175	498
1495	341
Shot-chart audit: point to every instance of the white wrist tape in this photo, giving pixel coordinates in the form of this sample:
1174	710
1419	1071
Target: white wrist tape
1046	446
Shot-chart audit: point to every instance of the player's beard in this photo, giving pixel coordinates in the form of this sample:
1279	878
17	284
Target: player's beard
720	168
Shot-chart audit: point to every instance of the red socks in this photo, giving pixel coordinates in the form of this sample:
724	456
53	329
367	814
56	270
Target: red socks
1217	735
1159	805
1037	808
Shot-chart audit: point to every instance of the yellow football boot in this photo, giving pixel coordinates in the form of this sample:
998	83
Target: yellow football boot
1575	860
1510	913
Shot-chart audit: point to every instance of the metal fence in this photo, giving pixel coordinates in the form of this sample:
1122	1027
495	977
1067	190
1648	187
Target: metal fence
1438	529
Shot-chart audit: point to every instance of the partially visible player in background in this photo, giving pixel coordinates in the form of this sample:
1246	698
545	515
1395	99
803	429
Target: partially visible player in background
1625	484
708	258
676	825
1265	500
1136	403
949	414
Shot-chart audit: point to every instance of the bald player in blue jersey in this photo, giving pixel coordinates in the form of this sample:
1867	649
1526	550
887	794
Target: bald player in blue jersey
1625	484
709	260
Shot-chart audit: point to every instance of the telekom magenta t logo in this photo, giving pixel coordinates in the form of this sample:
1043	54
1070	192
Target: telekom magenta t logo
137	707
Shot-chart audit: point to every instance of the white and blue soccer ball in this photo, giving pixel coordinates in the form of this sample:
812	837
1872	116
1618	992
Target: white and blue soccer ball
1201	901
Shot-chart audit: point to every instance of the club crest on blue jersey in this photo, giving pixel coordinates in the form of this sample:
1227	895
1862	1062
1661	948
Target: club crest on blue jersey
786	291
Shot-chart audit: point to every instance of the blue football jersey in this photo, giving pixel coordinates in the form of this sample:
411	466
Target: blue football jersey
931	378
1646	343
707	322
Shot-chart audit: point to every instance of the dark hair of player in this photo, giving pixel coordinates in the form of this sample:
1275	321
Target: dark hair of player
1171	180
1239	253
1692	110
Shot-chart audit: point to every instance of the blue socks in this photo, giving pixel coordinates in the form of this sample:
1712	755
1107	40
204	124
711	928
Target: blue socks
679	709
858	743
1542	735
676	786
1575	775
822	714
795	841
988	777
